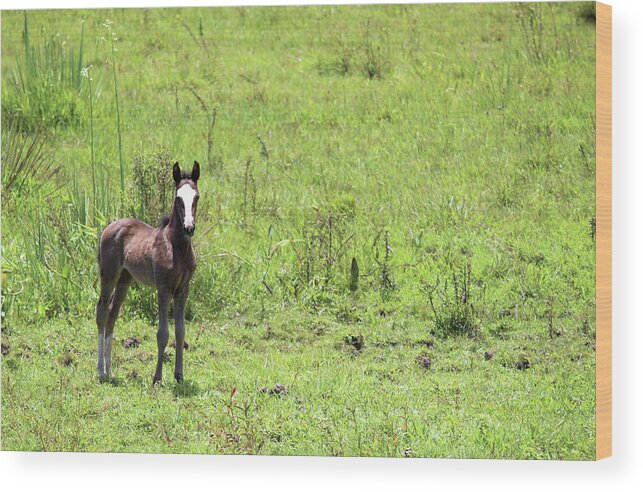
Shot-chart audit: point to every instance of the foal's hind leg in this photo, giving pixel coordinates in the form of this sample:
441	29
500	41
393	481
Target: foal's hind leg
120	292
107	284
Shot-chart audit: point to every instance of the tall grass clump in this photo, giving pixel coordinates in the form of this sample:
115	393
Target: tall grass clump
48	263
325	238
539	31
343	59
454	302
42	89
26	159
376	57
369	56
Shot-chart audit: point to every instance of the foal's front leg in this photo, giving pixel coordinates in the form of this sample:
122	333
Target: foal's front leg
163	333
179	331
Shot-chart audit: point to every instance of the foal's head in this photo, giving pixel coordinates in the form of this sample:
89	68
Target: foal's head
187	196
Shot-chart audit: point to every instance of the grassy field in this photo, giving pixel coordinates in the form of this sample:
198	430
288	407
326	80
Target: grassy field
395	234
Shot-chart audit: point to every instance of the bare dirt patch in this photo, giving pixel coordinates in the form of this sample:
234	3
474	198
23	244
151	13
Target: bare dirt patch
131	342
277	389
356	343
424	361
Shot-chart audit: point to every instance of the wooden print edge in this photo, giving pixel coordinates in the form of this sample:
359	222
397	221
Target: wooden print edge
603	231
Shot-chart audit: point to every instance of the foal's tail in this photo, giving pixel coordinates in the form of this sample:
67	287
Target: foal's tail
98	261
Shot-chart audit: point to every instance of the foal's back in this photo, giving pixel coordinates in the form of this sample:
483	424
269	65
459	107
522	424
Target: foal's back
129	244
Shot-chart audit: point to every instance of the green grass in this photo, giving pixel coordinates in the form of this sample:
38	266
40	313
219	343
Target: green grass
436	145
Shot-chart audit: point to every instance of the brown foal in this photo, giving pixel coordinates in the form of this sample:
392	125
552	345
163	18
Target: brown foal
160	257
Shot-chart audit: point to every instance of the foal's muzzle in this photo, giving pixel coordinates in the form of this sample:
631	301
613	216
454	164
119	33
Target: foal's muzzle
189	230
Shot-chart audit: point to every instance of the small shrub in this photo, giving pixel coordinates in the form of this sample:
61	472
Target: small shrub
152	188
587	12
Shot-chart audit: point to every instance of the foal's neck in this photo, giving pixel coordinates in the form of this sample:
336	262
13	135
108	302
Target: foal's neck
175	229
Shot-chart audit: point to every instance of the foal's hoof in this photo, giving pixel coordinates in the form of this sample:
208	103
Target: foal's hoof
156	381
178	377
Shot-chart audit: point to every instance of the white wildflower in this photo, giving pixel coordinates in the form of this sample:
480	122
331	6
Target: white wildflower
84	72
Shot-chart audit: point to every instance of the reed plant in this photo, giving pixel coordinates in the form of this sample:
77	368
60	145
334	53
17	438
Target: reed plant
41	89
112	42
26	160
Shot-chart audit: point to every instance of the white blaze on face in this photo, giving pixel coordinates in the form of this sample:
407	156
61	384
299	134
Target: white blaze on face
187	194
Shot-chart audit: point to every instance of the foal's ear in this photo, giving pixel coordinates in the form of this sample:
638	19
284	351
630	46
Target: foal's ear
196	171
176	173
